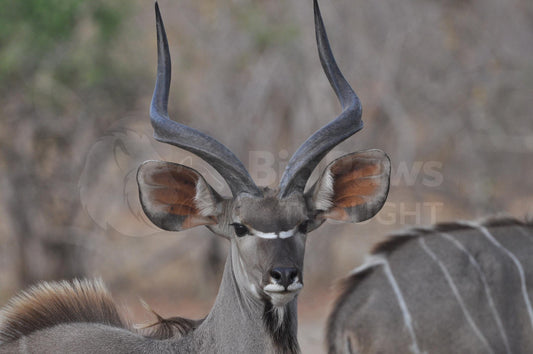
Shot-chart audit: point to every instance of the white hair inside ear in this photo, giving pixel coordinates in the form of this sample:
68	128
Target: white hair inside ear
204	199
323	193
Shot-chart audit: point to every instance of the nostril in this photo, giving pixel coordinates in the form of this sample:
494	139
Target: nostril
276	274
293	275
284	276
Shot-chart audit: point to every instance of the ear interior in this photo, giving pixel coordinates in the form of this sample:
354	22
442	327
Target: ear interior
175	197
354	187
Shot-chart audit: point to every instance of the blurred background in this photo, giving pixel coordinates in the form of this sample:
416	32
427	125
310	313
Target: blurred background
447	90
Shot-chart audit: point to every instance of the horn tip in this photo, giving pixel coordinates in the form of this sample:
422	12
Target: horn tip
316	8
157	12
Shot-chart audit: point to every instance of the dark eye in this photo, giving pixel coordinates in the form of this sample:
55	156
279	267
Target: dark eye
304	226
240	229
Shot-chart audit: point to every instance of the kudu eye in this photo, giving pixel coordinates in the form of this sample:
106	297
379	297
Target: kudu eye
240	229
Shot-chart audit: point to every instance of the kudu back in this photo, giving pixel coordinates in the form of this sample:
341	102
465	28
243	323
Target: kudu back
255	309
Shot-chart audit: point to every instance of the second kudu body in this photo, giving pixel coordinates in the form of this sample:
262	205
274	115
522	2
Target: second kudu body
255	309
460	287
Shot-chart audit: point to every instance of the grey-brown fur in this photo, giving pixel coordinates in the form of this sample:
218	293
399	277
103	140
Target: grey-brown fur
367	317
287	214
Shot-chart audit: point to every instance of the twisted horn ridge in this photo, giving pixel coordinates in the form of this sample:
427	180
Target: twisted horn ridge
174	133
309	154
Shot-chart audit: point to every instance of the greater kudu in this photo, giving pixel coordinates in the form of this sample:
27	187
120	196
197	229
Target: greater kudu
461	287
255	309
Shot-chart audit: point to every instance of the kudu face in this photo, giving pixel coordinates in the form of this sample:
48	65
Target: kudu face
266	227
269	245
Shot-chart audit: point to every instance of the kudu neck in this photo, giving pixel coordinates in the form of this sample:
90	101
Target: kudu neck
235	324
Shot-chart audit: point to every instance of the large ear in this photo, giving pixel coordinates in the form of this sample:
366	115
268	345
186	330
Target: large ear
353	188
176	197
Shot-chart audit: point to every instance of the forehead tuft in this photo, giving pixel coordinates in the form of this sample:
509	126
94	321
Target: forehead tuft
270	214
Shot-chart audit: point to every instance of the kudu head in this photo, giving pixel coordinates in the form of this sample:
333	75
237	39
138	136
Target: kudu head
267	227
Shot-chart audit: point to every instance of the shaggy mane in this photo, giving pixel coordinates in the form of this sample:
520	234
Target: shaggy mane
395	241
167	328
280	329
52	303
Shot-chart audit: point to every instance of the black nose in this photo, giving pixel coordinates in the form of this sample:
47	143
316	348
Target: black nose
284	276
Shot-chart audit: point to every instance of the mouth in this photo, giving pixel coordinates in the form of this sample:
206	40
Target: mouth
280	289
280	295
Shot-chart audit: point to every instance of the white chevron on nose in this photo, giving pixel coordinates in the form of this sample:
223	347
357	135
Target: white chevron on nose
273	235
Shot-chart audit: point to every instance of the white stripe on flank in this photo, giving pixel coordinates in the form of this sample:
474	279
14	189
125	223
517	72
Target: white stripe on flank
486	287
380	260
491	238
455	291
403	307
369	262
524	232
